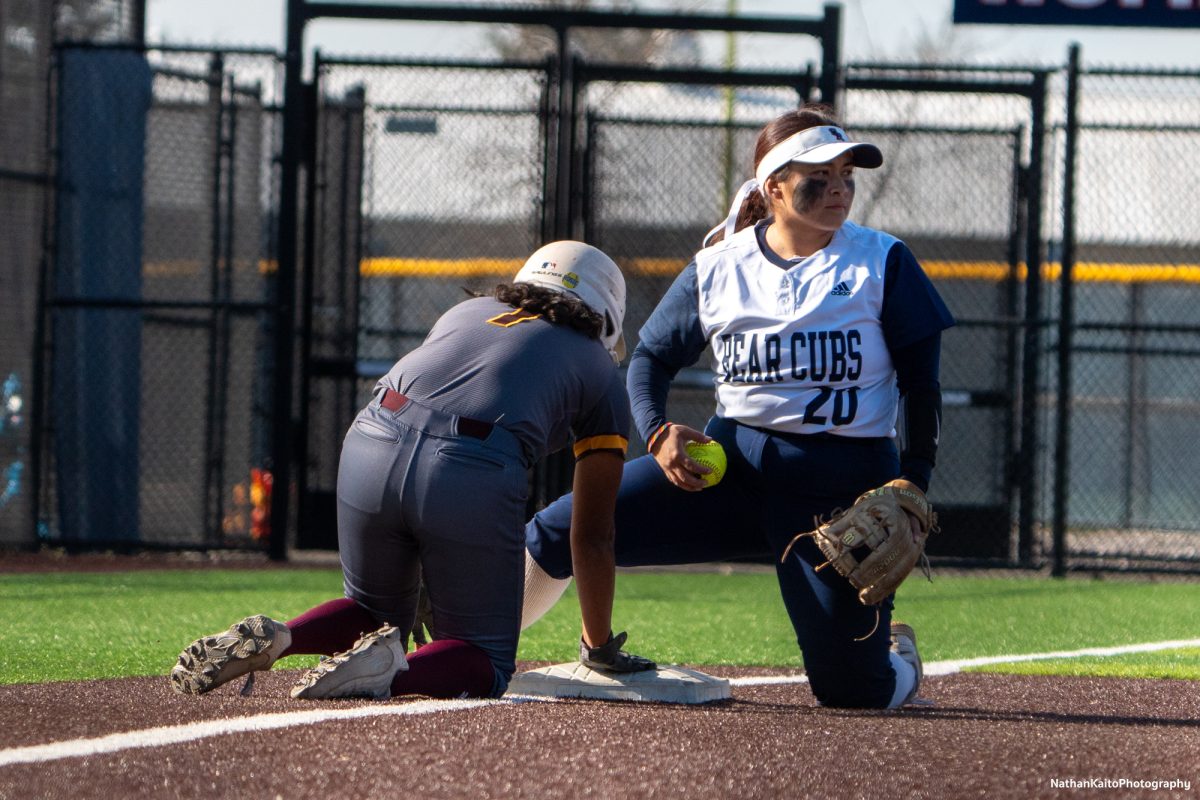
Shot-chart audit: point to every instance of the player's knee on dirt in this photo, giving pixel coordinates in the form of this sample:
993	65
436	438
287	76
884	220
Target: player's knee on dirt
502	671
906	681
851	686
541	592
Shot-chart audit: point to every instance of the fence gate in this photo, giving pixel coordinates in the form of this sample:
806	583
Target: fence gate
429	178
1128	344
429	197
663	153
663	157
961	184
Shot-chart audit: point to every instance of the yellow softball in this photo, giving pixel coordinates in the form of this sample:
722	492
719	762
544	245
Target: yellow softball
711	455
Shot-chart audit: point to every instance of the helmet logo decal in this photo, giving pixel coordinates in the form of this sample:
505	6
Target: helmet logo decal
587	273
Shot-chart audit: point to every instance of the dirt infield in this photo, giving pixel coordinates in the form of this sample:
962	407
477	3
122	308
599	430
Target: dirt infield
983	735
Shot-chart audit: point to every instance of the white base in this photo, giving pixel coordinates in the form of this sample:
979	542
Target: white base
665	685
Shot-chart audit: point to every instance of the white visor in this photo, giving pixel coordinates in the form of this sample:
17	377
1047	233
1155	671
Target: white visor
818	145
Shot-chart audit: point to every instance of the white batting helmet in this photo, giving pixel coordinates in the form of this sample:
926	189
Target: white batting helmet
582	270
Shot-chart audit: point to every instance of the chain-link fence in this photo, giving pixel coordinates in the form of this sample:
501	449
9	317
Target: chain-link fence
454	166
30	28
959	145
1134	348
664	161
422	179
428	180
28	32
158	299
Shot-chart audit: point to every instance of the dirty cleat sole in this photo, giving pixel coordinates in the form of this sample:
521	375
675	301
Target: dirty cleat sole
365	670
252	644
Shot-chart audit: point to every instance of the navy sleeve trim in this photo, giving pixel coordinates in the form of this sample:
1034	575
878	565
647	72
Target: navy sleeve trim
649	382
917	367
912	308
673	333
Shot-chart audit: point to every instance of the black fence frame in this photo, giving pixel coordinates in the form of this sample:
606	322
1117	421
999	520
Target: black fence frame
224	90
566	213
298	131
1031	84
1066	327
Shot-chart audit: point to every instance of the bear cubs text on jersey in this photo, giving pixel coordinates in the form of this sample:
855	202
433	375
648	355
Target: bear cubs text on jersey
831	356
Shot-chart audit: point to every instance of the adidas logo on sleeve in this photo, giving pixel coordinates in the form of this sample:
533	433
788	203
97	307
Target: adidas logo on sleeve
841	290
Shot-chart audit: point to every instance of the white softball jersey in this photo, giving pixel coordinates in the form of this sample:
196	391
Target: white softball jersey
800	349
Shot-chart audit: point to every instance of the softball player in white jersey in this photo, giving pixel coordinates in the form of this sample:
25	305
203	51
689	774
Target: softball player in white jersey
818	327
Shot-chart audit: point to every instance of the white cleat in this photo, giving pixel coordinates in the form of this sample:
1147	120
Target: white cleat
365	670
252	644
904	644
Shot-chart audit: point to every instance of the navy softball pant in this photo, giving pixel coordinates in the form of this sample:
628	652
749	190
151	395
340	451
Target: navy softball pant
416	496
774	486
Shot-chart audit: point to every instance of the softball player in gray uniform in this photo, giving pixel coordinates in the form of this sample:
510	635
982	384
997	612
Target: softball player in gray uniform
817	327
433	481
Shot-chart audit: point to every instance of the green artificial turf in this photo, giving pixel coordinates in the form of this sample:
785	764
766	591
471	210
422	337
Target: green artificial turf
73	626
1183	663
966	617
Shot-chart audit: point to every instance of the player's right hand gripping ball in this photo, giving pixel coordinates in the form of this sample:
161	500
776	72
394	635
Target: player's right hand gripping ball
874	543
711	455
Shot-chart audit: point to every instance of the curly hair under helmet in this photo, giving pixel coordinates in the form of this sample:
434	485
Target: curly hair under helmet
556	307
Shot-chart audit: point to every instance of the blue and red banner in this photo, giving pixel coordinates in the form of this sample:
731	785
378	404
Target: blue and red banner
1122	13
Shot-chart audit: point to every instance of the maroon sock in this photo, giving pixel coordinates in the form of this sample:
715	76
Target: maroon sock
446	668
329	628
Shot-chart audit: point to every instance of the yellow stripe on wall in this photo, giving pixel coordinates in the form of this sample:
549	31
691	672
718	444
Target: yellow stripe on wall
504	268
438	267
1134	273
1085	271
969	270
1089	271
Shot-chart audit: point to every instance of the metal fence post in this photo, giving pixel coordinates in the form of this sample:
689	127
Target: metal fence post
831	54
1012	331
547	127
1066	321
39	391
229	226
1033	325
564	133
314	187
137	33
212	443
285	274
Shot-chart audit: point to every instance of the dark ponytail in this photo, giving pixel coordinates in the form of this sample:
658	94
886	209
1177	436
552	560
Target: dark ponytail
558	308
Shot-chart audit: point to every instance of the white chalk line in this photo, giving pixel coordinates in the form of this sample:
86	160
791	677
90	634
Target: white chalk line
178	734
950	667
931	668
